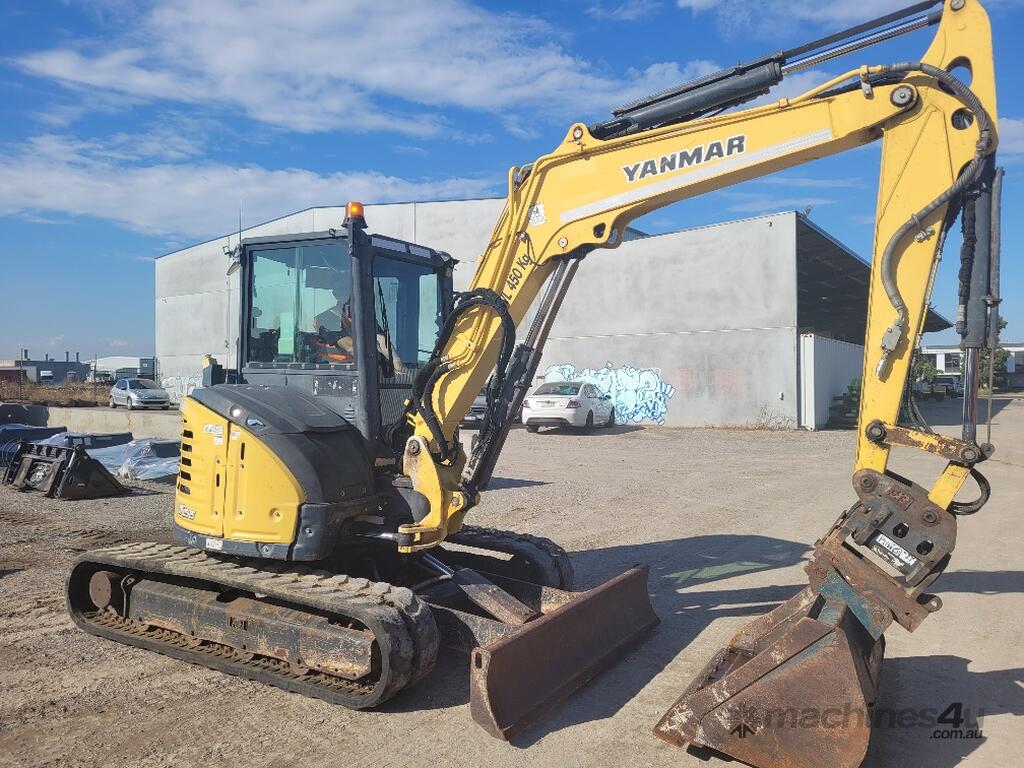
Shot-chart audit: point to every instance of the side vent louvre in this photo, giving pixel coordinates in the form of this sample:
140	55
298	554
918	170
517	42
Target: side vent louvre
185	476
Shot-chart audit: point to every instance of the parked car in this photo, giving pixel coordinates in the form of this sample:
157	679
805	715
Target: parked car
953	384
139	393
926	390
567	404
475	417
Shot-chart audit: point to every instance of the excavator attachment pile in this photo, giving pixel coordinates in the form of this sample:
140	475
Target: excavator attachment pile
61	472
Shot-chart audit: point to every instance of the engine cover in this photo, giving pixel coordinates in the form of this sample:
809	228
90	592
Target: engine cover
268	471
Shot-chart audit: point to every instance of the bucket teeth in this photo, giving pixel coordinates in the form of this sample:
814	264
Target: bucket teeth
793	688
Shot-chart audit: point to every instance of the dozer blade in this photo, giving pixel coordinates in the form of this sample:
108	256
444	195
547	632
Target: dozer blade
515	679
793	688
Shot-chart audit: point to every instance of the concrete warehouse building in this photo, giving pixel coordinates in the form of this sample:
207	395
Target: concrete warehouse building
123	366
751	322
947	358
49	370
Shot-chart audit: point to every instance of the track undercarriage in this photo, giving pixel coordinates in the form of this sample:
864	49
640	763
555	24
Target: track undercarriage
357	636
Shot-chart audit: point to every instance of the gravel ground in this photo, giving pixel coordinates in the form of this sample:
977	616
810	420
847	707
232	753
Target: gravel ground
725	519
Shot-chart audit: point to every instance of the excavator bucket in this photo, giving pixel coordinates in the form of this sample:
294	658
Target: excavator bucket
61	472
793	688
521	668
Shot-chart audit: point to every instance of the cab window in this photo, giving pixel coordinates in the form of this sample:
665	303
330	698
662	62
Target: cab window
407	301
301	305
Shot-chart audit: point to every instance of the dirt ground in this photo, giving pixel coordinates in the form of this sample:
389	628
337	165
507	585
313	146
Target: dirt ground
725	519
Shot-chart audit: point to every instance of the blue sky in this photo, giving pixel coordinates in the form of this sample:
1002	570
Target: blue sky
128	129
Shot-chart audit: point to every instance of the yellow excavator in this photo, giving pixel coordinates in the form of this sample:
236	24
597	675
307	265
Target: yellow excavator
323	489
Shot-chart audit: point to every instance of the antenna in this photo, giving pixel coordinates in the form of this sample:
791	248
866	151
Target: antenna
235	254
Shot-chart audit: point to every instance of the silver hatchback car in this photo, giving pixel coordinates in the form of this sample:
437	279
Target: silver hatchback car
139	393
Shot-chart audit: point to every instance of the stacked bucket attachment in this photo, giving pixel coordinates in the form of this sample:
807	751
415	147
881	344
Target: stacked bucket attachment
795	687
537	644
61	472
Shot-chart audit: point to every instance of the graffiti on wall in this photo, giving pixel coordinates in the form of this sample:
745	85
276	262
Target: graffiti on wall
638	394
180	387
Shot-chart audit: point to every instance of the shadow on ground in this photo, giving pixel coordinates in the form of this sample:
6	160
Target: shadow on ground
679	571
618	429
916	691
950	412
980	582
497	483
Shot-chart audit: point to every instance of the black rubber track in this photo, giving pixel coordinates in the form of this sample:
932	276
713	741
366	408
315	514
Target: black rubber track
548	563
402	625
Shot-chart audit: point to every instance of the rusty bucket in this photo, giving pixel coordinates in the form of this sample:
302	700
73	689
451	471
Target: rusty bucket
516	678
792	689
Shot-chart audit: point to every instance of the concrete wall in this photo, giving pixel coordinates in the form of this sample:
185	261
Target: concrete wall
827	366
688	329
163	424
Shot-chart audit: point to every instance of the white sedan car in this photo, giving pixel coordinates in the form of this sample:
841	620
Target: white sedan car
567	404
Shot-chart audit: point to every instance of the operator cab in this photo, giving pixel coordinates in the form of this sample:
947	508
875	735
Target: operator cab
345	316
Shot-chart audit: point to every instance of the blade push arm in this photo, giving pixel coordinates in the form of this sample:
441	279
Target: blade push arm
583	194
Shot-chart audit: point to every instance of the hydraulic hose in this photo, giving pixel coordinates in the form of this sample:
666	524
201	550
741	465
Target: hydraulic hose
970	507
967	178
439	365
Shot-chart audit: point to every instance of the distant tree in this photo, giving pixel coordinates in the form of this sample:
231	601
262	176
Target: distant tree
1001	356
922	369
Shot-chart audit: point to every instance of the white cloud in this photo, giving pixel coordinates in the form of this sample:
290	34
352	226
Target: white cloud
1011	138
117	343
777	11
774	18
409	149
757	202
631	10
363	65
53	341
62	175
806	182
697	5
